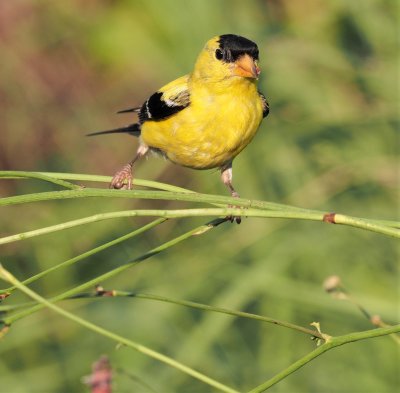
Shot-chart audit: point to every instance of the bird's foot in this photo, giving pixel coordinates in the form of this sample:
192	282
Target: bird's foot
123	179
232	218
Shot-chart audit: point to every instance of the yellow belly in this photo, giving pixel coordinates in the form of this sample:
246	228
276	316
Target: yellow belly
209	133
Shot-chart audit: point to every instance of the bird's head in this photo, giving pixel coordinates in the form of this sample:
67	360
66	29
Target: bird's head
228	56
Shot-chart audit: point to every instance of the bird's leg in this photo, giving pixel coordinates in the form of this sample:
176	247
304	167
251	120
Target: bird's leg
123	178
226	177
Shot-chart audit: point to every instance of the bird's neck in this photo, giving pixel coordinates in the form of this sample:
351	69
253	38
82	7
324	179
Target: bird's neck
222	85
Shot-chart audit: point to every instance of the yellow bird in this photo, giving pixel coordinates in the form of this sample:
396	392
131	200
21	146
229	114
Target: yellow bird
202	120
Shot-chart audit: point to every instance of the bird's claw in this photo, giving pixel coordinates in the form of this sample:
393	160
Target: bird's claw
231	218
123	179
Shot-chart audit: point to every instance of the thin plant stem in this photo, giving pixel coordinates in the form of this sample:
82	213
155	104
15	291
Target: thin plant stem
202	229
40	176
333	342
204	307
6	308
201	212
199	306
54	176
7	276
157	213
89	253
146	194
366	224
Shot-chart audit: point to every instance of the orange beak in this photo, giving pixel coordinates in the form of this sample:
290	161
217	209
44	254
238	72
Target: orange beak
246	67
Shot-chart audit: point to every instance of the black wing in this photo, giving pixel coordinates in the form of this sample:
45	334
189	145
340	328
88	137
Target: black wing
160	106
170	99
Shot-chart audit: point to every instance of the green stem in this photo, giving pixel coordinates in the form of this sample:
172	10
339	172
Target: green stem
89	253
95	281
200	306
138	182
216	212
53	176
39	175
330	344
159	213
7	276
12	307
146	194
366	224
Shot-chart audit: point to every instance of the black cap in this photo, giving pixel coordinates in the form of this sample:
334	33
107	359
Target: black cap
232	46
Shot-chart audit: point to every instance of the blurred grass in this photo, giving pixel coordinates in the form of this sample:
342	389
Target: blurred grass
331	142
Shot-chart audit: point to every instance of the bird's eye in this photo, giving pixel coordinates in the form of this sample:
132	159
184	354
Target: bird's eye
218	54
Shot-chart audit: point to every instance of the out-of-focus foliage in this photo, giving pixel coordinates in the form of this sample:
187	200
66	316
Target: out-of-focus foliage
329	70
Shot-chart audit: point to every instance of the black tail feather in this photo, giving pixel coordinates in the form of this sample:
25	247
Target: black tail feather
132	129
130	110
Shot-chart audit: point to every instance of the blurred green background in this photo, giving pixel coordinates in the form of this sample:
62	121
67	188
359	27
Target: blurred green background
329	70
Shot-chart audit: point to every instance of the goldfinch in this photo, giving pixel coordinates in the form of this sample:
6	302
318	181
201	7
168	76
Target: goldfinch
202	120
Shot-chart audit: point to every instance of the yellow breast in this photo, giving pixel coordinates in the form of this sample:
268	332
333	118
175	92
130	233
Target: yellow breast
217	125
